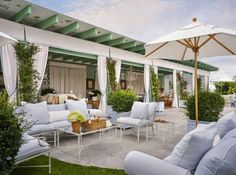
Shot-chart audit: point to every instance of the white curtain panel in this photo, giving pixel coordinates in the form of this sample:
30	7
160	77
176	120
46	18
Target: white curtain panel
41	62
175	100
118	69
9	68
102	81
146	81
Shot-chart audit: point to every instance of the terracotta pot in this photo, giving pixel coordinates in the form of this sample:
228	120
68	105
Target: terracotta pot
76	127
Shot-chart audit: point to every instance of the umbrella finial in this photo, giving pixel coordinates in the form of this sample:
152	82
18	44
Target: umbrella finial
194	19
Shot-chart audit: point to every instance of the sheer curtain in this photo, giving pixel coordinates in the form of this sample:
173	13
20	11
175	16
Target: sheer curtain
102	81
9	68
118	69
41	62
146	81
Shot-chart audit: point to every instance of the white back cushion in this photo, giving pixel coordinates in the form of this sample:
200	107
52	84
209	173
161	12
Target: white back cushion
37	112
139	110
192	147
55	116
80	105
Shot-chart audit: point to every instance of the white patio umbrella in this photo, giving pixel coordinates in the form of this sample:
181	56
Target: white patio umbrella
193	41
6	39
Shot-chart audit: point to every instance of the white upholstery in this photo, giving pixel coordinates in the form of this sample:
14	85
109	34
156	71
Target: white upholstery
80	105
37	112
137	163
94	112
139	110
131	121
55	116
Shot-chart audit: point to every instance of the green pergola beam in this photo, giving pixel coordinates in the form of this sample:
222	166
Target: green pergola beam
91	33
127	63
68	29
127	45
141	52
48	22
18	17
102	38
71	53
137	48
115	42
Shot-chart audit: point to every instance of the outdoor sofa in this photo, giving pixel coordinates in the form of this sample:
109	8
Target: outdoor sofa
208	150
47	119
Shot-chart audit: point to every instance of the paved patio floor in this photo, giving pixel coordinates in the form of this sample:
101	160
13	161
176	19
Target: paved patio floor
110	152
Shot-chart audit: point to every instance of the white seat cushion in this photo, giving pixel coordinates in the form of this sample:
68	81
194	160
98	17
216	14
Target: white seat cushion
36	129
130	121
139	110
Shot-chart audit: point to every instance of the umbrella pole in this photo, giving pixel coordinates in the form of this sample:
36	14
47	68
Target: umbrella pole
196	85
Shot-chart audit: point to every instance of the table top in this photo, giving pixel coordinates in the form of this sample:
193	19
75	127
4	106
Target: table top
70	131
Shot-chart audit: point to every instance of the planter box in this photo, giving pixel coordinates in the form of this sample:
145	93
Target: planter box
160	106
192	124
182	103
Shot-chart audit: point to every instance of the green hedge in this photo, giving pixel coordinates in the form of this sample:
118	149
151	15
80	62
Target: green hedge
210	105
122	100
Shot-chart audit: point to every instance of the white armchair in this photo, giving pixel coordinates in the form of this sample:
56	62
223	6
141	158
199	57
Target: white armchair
141	115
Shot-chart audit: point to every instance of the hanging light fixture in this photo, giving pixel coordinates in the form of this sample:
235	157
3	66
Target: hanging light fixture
130	75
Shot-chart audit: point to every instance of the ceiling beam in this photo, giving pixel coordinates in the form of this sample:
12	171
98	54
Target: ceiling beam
18	17
102	38
48	22
69	28
115	42
137	48
91	33
127	45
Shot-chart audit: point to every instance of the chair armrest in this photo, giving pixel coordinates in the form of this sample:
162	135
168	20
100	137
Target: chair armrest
137	163
124	114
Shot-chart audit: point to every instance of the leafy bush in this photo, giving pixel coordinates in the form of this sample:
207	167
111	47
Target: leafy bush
10	135
122	100
210	105
155	85
76	116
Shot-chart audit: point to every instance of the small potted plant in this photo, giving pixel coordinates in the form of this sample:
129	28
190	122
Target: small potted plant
75	118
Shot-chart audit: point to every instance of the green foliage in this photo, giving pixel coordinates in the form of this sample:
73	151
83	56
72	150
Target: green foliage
76	116
225	87
10	135
122	100
28	76
46	91
112	74
182	87
210	105
62	168
155	85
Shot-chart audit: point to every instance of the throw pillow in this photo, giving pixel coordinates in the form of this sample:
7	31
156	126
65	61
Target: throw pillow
80	105
220	160
192	147
55	116
37	112
216	140
224	125
139	110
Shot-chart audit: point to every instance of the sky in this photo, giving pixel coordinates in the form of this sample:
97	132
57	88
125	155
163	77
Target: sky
146	20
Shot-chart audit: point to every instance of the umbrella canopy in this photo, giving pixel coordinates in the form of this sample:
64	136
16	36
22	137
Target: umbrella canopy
6	39
193	41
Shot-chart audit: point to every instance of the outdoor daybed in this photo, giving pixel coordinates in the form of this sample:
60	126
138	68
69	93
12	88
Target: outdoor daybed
207	150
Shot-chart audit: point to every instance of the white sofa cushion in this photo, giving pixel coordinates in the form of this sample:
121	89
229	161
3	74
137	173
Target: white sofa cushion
56	107
55	116
80	105
225	124
37	112
220	160
151	110
229	135
139	110
192	147
129	121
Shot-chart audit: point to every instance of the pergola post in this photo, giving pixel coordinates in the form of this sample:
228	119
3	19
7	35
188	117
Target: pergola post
175	99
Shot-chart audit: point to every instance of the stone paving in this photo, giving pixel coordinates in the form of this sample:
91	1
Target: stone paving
110	152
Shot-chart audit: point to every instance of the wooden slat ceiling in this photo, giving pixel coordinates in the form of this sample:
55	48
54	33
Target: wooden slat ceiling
33	15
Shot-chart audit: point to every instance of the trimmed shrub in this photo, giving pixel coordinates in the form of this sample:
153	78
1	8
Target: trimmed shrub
10	135
210	105
122	100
